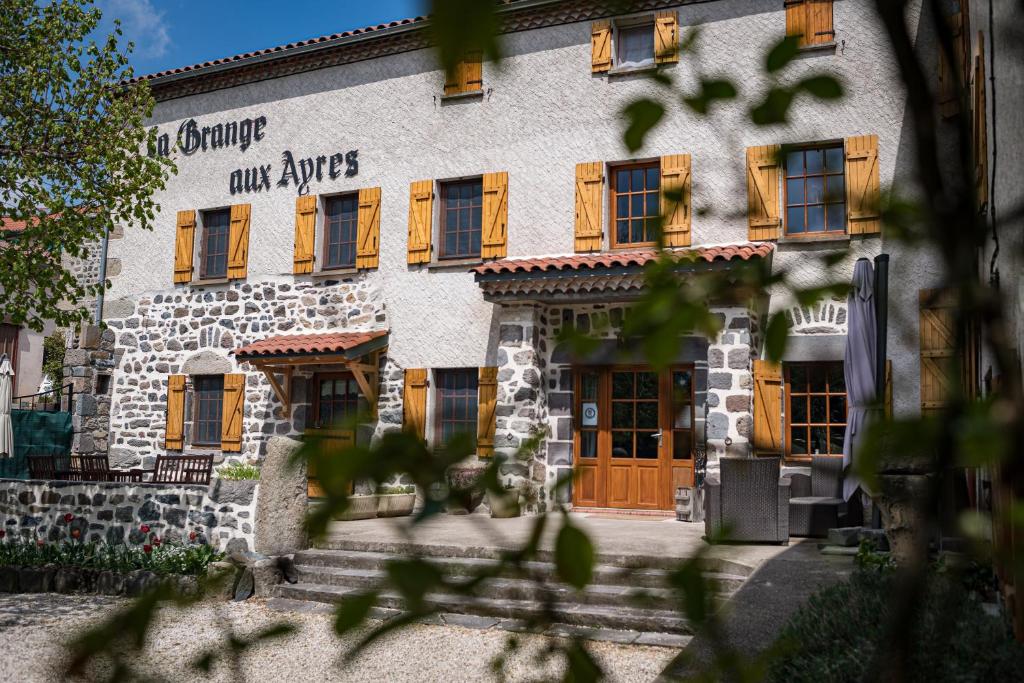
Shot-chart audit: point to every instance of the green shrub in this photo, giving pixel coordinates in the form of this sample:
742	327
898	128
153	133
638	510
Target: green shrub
835	636
167	557
395	490
238	470
53	357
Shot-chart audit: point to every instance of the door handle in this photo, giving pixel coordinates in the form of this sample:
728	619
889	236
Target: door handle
657	435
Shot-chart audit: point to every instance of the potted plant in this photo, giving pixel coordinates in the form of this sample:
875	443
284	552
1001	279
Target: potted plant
360	506
395	501
508	504
464	490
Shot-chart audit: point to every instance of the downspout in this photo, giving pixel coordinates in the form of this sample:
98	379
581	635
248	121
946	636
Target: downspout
98	316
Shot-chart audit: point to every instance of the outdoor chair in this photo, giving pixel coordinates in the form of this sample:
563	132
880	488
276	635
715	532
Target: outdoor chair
747	501
816	502
49	466
180	469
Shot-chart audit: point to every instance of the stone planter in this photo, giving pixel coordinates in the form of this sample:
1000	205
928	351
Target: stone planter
359	507
395	504
503	507
905	524
464	479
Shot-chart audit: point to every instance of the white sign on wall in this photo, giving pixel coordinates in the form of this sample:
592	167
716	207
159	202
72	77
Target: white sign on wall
589	411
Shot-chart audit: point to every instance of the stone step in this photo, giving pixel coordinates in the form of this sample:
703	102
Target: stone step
594	616
604	574
620	560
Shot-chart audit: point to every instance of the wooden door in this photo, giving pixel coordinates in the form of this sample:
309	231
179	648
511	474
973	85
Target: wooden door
336	403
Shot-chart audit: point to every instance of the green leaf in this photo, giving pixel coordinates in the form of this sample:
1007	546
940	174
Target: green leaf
574	556
823	87
710	91
581	665
353	611
782	54
642	115
775	336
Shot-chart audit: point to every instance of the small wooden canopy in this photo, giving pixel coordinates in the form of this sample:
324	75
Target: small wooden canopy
283	353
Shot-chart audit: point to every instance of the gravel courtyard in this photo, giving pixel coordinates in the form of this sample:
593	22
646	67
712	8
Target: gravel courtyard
34	627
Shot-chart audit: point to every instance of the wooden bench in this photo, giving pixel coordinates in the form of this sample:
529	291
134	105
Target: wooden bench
180	469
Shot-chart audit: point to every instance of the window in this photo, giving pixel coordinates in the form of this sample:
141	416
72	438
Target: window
208	391
461	218
811	20
635	425
636	197
214	248
337	400
815	191
588	410
341	218
456	403
682	414
815	409
634	46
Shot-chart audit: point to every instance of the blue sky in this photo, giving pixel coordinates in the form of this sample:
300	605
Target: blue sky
172	33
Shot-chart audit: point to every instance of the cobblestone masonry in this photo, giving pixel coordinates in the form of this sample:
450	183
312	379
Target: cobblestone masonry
88	368
222	513
192	330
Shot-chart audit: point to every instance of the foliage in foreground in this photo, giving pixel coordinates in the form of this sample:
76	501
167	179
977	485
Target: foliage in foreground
169	557
837	635
238	470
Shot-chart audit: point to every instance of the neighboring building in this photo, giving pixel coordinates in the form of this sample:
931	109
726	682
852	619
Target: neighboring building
430	239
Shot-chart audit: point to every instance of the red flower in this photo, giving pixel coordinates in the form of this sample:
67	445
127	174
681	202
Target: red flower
157	542
191	536
68	517
4	533
75	533
144	528
40	542
147	548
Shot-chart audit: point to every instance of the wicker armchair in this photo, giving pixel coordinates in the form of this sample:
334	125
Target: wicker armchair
749	500
816	503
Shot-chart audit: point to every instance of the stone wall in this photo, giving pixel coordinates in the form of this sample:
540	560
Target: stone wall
88	368
192	330
222	513
730	423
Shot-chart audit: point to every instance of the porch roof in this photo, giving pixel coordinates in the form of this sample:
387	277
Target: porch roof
600	276
348	345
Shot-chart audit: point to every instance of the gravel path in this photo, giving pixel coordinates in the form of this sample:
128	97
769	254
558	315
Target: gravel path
33	627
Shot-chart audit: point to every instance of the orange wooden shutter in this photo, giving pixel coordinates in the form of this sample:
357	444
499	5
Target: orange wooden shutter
675	178
938	349
368	229
601	46
175	429
666	37
796	19
949	95
184	245
305	234
811	20
862	185
763	192
494	240
979	125
767	408
414	402
421	211
467	76
487	396
238	242
231	419
589	177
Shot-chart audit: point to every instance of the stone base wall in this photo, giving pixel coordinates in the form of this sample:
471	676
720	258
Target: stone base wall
91	360
222	513
730	422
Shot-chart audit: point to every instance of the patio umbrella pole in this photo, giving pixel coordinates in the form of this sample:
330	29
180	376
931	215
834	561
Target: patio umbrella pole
881	286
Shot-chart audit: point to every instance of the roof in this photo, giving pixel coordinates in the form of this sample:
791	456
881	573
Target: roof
623	259
11	225
349	344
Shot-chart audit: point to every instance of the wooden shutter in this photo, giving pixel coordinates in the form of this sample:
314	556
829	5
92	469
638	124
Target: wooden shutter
231	419
184	246
938	348
979	125
175	429
675	178
666	37
763	192
414	402
862	185
949	93
305	234
487	396
368	229
495	216
421	212
238	242
767	408
589	177
811	20
467	76
600	46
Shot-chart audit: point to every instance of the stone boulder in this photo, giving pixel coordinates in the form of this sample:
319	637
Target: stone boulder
282	503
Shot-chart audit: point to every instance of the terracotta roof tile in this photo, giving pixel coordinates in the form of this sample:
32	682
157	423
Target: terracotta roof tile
744	252
299	344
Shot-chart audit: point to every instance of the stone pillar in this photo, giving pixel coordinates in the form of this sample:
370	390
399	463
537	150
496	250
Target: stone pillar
87	369
730	388
521	398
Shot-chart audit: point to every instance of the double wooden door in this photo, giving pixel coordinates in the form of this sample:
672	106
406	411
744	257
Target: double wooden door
634	436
